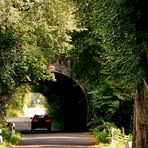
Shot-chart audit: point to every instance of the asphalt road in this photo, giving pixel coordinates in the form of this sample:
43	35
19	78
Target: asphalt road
56	139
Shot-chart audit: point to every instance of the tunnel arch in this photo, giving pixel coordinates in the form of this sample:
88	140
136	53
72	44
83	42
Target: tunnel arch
73	100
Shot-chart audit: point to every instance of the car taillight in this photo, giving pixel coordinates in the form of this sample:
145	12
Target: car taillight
48	120
34	120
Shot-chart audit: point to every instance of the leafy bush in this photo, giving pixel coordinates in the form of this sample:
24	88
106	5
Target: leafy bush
8	137
6	134
16	138
107	131
103	131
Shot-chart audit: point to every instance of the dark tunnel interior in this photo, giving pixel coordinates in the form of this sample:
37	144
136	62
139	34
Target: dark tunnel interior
73	101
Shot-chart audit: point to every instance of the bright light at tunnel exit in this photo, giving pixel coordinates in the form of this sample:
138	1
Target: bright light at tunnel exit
35	104
31	111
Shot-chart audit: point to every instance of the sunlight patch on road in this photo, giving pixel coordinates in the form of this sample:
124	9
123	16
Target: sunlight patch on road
54	137
52	146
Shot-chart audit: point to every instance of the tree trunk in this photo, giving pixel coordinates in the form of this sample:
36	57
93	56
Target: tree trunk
140	131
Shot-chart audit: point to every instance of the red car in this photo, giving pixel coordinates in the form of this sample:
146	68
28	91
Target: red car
41	121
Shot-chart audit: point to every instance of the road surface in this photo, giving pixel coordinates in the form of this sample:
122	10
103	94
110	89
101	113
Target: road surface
56	139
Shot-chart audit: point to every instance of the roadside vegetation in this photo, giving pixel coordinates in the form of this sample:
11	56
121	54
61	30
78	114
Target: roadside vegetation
9	137
111	120
111	136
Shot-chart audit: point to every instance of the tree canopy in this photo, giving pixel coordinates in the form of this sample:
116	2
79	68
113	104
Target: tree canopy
121	30
113	40
106	41
33	33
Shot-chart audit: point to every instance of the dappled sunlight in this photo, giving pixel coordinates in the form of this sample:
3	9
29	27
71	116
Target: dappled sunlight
56	146
62	140
55	137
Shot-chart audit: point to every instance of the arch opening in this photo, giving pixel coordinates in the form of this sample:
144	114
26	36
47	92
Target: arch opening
70	99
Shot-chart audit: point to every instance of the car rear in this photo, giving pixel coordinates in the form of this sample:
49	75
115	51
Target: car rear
41	121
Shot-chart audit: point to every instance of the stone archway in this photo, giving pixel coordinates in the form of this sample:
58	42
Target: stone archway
73	98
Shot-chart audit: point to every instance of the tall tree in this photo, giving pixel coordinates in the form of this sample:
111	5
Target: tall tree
32	34
121	29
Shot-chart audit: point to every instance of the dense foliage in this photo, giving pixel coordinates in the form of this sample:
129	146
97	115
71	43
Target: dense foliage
32	35
111	38
109	55
120	29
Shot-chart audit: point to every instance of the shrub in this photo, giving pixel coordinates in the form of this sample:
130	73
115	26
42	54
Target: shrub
16	138
103	131
105	134
8	137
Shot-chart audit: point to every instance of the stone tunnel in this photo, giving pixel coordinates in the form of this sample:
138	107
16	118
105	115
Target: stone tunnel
73	101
